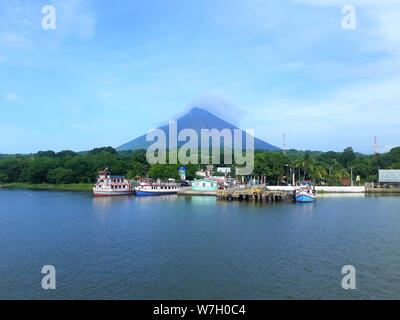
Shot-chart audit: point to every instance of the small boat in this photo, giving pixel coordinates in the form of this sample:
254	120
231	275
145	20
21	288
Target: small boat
148	187
305	192
108	185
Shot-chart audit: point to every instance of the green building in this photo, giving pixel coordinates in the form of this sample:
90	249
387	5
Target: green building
204	185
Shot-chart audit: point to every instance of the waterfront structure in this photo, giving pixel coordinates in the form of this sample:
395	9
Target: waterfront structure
389	178
108	185
255	194
204	185
148	187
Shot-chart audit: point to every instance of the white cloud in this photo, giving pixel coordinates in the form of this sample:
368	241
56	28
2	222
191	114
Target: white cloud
220	104
380	21
13	40
75	17
346	117
12	97
386	33
358	3
387	148
20	22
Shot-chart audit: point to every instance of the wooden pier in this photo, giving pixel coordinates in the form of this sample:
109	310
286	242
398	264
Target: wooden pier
255	194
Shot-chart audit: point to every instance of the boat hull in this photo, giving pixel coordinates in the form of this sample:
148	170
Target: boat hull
304	198
112	193
154	193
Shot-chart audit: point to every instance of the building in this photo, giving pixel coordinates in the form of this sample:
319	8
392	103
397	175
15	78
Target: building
201	174
224	170
389	178
204	185
209	169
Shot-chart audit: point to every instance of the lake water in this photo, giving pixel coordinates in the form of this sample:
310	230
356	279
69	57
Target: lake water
197	248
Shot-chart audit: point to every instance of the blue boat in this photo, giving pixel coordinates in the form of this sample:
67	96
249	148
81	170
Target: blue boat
305	192
157	193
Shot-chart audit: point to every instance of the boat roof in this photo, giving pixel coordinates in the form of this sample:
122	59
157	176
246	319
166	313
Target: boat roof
205	180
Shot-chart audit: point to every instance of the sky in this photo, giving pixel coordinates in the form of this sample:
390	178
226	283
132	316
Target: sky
112	71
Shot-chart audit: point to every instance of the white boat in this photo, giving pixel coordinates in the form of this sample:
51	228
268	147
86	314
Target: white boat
305	192
148	187
108	185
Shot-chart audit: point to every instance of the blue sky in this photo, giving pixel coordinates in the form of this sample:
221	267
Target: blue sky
112	71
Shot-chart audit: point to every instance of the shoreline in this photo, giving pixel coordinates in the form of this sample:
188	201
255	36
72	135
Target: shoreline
78	187
187	191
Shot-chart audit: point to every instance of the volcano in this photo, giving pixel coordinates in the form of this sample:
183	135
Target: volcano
197	119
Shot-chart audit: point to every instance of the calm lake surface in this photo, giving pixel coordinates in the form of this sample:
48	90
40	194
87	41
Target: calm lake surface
197	248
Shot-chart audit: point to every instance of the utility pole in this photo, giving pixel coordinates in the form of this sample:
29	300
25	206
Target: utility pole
284	149
375	146
287	174
351	176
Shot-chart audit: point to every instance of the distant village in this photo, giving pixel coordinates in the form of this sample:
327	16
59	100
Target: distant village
377	172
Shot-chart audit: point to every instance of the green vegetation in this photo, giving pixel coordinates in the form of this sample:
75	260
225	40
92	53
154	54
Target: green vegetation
47	169
67	170
330	168
83	187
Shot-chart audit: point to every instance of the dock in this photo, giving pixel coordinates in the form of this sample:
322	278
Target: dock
383	190
255	194
187	191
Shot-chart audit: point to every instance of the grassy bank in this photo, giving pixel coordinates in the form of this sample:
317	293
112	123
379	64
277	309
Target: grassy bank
83	187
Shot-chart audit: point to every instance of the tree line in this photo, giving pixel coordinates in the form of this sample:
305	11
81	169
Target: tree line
332	168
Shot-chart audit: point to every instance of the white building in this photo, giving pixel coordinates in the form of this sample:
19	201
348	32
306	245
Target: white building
224	170
389	177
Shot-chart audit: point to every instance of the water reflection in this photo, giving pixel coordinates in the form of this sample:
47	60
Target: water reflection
383	195
340	195
307	207
108	201
150	199
201	200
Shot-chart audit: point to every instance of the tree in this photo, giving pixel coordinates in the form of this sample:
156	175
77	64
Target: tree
36	170
46	154
11	168
83	169
104	149
70	167
138	169
272	165
164	171
60	175
318	172
3	177
65	154
347	157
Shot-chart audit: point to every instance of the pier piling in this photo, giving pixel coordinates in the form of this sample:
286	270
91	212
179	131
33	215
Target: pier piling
255	195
